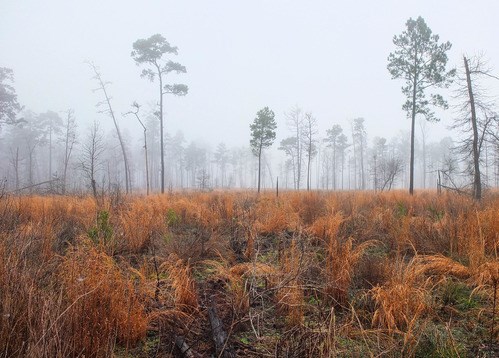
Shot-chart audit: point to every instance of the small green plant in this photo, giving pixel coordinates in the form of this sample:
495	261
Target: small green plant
151	344
437	342
436	214
401	210
102	231
314	301
172	218
459	295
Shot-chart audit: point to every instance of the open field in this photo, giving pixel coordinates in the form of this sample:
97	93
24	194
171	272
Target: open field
302	275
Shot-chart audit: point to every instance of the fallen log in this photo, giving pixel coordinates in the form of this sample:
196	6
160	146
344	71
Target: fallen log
220	337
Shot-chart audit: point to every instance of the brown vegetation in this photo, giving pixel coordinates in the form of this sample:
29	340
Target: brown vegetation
305	274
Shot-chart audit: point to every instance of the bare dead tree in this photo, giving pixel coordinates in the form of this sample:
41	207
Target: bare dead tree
390	170
309	136
476	116
109	111
91	161
294	119
69	141
135	111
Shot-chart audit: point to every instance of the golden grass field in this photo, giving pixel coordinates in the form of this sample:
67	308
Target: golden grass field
307	274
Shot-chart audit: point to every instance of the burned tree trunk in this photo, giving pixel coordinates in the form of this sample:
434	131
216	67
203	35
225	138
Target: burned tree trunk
220	337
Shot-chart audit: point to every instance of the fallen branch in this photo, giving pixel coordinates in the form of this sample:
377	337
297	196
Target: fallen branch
457	190
34	185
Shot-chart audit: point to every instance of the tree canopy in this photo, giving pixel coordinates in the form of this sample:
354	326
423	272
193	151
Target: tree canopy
263	130
421	61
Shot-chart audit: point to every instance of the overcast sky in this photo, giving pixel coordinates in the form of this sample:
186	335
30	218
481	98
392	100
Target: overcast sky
328	57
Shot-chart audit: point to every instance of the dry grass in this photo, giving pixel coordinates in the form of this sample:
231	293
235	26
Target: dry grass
184	287
342	273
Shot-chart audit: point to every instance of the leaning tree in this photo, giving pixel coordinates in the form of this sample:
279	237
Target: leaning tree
477	119
421	61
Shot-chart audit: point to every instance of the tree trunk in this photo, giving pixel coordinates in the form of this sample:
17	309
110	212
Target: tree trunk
259	166
477	183
362	172
111	112
50	152
220	337
16	168
161	130
413	124
334	164
308	164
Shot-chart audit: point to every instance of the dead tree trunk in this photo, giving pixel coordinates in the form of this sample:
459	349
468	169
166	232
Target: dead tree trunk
477	183
102	87
136	114
220	337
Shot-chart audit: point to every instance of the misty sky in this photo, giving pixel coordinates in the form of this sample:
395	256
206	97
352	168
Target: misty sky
328	57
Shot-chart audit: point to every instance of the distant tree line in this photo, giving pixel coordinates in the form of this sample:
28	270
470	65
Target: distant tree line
50	152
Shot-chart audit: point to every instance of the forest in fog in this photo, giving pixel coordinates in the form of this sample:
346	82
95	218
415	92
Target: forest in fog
249	179
53	152
108	145
49	152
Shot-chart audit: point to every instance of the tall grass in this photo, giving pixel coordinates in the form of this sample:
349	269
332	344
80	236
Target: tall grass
344	272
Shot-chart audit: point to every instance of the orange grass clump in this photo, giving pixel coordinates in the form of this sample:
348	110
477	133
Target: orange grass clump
240	279
140	222
290	293
401	301
184	287
104	307
341	259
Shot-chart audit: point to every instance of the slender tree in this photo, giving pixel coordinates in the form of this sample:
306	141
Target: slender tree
151	52
135	111
295	121
91	161
309	132
421	61
288	146
51	124
360	141
262	135
221	158
332	142
70	127
342	145
109	111
477	120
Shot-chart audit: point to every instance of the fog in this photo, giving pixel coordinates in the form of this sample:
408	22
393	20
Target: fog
327	58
